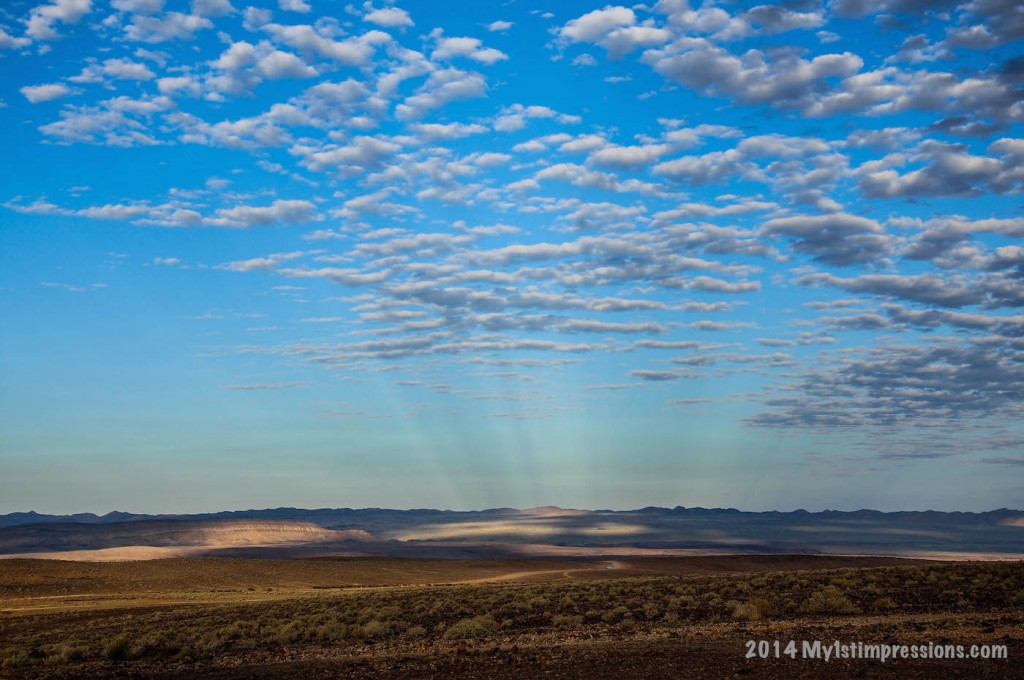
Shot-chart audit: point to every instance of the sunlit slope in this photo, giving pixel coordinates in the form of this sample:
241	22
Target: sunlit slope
169	534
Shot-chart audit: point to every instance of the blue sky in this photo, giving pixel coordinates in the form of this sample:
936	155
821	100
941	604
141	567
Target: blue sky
470	255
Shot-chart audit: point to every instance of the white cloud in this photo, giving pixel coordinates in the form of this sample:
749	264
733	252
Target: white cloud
254	18
788	82
243	66
860	8
837	239
375	203
44	93
237	56
720	26
441	88
583	144
499	25
110	211
622	41
186	84
389	17
278	65
268	263
245	133
686	137
716	166
432	132
542	143
355	51
593	26
354	158
581	176
113	212
119	69
109	123
212	8
138	6
9	42
490	159
949	170
125	69
470	48
42	18
280	211
627	157
217	183
299	6
613	28
183	217
171	26
513	118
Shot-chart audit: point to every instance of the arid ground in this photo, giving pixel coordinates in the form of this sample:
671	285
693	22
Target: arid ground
641	617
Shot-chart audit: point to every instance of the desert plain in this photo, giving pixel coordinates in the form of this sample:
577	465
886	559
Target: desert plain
546	592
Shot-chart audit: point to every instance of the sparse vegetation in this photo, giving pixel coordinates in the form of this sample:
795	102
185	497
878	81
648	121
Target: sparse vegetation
754	609
433	615
829	600
118	649
476	627
883	604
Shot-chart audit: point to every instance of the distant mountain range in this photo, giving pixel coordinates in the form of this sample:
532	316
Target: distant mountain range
328	517
499	532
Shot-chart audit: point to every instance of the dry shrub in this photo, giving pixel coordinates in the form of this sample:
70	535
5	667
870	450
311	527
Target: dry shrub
560	621
15	658
118	649
883	604
476	627
753	609
375	629
615	614
829	600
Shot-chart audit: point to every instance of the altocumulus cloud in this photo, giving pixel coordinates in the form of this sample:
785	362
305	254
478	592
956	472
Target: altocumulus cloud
801	217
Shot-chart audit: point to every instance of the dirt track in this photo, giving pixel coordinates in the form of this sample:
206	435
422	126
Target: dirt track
532	574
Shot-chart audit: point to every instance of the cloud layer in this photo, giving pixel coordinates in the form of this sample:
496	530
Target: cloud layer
807	217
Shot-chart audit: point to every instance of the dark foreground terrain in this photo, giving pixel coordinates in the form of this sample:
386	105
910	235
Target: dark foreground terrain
363	618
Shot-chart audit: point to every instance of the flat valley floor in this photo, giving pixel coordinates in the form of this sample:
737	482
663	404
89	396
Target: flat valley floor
613	617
